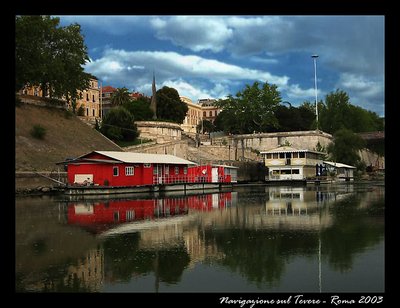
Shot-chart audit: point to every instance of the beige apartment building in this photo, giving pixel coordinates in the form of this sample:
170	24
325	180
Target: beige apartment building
89	99
193	115
204	109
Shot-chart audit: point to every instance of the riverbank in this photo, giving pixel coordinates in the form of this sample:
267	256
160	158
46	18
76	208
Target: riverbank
36	183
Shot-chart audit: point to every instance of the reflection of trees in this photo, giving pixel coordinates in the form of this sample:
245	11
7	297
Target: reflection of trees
52	280
124	258
261	255
353	230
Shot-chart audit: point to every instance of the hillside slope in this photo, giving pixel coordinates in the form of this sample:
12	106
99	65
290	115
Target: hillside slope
65	137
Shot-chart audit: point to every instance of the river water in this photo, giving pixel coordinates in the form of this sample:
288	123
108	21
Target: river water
326	238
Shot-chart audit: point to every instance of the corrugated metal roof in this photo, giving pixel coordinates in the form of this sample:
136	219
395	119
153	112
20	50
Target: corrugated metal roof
145	158
338	165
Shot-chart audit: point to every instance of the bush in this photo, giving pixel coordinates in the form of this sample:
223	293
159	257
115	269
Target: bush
38	132
81	111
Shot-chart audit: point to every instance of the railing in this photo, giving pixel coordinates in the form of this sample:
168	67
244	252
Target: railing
171	179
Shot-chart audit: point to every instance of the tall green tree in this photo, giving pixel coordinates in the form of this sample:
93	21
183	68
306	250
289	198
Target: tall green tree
338	113
345	147
307	115
252	109
140	109
118	124
335	113
205	126
120	97
50	56
169	105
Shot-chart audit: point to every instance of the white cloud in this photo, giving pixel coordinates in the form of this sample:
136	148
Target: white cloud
186	89
364	87
169	65
193	32
295	92
365	92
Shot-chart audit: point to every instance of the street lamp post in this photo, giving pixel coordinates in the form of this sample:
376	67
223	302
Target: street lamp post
315	86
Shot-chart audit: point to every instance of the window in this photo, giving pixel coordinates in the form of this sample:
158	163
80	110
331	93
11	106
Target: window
115	171
176	170
116	216
204	114
92	112
87	96
155	170
130	215
146	165
302	155
185	169
295	171
275	155
87	111
210	113
93	98
166	169
130	170
269	156
281	155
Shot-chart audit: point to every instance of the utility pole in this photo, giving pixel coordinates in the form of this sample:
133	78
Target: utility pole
315	86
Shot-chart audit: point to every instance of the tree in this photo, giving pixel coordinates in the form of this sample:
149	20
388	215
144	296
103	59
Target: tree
335	113
50	56
140	109
169	105
205	126
118	124
345	147
307	115
252	109
120	97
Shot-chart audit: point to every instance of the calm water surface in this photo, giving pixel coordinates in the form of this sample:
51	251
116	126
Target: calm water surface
327	238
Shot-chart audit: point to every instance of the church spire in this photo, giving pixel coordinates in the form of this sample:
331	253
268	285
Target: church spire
153	104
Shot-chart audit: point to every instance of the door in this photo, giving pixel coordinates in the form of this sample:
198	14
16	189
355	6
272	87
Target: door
214	174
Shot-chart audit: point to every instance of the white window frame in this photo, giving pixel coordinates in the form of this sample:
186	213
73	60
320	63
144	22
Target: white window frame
129	170
115	168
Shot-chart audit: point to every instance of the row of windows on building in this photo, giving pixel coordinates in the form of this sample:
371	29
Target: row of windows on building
291	155
130	170
36	92
194	113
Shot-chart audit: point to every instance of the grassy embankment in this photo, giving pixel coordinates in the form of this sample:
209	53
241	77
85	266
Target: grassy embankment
66	136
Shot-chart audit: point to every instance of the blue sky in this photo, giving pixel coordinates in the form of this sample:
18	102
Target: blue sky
213	56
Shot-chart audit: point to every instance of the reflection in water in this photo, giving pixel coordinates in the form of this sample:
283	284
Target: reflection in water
257	234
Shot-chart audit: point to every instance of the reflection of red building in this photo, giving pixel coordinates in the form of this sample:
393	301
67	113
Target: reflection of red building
98	215
210	201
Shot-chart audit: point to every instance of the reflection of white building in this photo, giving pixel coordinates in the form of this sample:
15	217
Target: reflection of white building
290	200
287	163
